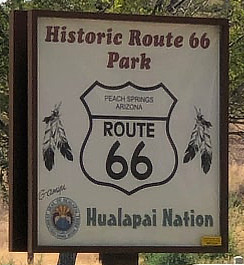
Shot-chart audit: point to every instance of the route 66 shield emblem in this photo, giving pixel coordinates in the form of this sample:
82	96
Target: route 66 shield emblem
128	145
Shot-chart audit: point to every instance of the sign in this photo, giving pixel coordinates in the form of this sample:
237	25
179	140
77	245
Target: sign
128	133
145	130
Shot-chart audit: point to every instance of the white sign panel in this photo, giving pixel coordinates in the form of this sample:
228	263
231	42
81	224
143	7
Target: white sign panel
128	125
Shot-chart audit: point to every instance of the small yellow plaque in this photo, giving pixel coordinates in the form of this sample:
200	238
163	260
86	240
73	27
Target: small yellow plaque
211	241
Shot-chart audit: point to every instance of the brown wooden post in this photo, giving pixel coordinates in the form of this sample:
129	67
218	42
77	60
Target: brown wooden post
67	258
119	259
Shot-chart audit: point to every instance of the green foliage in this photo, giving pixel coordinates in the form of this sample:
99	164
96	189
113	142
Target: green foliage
183	258
236	72
168	259
142	7
64	5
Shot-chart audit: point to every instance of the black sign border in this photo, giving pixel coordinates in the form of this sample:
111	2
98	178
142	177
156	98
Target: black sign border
32	133
166	119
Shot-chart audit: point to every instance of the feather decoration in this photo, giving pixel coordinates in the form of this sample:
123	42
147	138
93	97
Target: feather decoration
200	141
55	139
49	158
63	144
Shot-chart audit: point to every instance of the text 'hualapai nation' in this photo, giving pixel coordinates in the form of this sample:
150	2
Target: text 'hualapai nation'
135	38
167	217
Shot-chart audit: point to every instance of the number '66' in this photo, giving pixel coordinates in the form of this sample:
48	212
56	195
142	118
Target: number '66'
135	160
195	42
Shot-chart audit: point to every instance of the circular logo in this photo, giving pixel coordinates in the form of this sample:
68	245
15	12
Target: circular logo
62	218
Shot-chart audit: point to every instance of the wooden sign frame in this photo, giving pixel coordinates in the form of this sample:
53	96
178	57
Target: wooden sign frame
18	139
16	143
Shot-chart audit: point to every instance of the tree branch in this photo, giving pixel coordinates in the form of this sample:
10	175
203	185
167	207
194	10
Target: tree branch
157	6
102	8
3	127
187	7
236	133
174	4
200	6
236	120
236	41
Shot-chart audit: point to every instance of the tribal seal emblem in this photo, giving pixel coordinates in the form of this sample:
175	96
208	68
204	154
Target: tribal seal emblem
62	218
